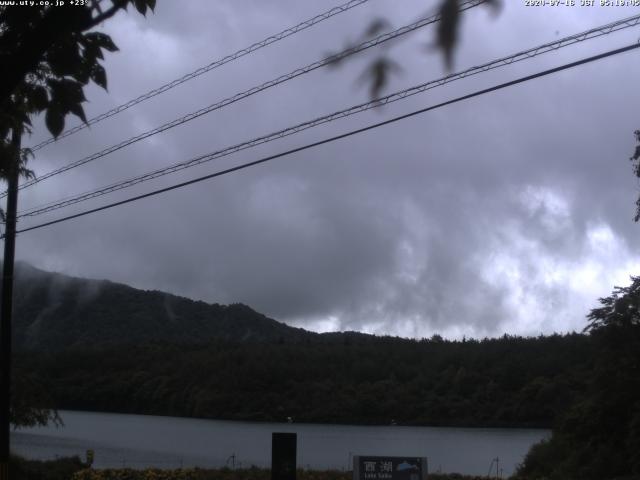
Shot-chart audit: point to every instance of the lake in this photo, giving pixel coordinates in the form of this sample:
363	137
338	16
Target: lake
140	441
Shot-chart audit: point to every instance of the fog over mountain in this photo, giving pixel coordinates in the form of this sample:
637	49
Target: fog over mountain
107	347
55	312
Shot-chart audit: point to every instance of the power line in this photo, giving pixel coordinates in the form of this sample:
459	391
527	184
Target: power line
339	137
252	91
524	55
207	68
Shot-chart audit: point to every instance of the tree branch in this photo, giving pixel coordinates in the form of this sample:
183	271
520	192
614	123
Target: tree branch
107	14
54	25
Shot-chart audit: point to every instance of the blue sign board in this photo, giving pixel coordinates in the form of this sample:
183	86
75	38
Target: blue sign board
389	468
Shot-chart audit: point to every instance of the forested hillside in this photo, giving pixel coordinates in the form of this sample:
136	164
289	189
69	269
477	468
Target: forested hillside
97	345
502	382
54	312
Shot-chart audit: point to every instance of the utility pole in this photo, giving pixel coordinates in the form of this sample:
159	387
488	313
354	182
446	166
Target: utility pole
13	168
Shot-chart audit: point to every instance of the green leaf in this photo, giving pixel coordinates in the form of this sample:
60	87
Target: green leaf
54	120
447	30
376	27
39	98
379	73
66	92
91	48
97	53
101	40
83	71
78	111
64	58
99	75
141	6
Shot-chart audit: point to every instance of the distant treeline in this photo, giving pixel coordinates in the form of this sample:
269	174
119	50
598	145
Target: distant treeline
97	345
510	381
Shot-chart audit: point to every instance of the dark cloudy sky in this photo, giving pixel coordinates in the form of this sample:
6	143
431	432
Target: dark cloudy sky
512	212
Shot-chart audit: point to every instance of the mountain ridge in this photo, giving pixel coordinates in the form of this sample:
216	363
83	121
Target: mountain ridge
54	311
102	346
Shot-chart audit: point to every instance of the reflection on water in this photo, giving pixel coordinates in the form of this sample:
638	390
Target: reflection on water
140	441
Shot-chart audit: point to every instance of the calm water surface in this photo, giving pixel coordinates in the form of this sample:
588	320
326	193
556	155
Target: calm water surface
140	441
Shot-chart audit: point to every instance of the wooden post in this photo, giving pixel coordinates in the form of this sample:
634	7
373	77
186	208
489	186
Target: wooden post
283	456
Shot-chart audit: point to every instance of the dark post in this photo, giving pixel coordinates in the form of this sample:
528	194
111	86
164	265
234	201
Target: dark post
283	456
6	307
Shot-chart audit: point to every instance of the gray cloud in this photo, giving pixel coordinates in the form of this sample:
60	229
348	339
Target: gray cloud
507	213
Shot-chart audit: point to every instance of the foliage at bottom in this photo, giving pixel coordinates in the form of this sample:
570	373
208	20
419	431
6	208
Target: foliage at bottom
599	437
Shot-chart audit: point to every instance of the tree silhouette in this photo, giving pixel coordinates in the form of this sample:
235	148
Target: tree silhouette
635	159
48	55
599	437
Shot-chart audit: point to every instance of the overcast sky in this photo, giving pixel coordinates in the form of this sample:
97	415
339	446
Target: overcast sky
509	213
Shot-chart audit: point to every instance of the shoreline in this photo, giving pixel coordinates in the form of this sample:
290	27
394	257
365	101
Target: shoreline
305	423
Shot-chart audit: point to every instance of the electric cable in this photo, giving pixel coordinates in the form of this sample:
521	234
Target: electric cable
504	61
247	93
207	68
337	137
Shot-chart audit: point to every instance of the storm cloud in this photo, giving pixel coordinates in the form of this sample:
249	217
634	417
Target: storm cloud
508	213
